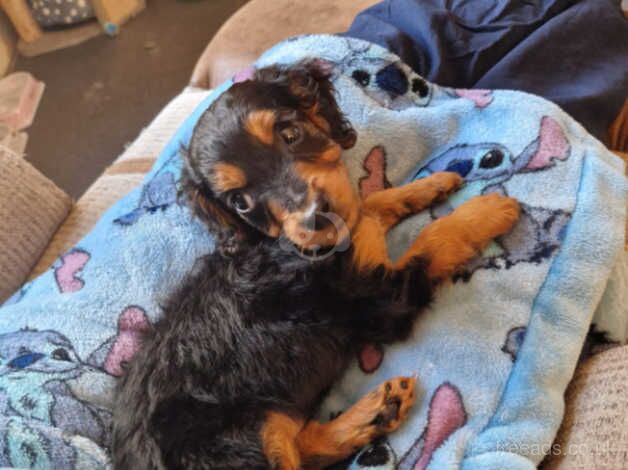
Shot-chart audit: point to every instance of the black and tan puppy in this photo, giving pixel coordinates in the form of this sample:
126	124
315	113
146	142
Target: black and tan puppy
250	343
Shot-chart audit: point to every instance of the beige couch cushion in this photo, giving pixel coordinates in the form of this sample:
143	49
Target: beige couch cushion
594	434
126	173
31	209
259	24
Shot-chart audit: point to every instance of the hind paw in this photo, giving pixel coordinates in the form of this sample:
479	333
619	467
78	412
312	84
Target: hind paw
394	399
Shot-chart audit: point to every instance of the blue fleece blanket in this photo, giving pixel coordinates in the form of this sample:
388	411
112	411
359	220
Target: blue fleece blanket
493	354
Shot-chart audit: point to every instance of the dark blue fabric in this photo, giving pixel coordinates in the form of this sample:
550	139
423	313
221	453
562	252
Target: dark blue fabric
574	53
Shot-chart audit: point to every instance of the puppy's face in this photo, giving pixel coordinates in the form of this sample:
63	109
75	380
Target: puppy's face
267	153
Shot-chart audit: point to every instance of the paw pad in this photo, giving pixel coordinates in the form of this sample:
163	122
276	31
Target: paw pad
396	398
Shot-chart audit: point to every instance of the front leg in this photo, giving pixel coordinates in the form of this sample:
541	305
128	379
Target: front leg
384	209
291	444
390	206
450	242
379	412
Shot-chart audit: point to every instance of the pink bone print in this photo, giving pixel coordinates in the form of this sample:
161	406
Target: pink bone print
481	98
552	145
375	166
66	272
131	324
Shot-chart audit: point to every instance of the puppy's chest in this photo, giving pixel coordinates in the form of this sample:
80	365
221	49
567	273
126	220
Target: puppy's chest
305	297
276	286
305	303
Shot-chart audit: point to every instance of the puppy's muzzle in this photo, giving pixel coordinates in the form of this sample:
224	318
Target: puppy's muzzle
314	218
315	226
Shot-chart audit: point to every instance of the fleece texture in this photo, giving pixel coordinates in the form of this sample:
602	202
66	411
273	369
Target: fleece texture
494	353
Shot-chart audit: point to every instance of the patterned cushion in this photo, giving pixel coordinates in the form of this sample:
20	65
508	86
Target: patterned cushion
61	12
36	209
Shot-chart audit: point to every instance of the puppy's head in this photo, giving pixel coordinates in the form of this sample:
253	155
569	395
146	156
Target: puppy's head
264	160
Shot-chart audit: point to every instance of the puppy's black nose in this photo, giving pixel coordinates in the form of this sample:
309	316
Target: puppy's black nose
324	207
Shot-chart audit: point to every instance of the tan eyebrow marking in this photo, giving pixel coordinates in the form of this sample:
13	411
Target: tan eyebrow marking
227	177
260	124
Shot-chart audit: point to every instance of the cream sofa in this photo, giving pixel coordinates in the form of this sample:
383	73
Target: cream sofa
40	222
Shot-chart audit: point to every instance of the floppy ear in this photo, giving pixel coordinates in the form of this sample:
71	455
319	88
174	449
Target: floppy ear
229	230
309	83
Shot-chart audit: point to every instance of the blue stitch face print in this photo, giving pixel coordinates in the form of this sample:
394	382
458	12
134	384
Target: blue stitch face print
485	168
475	162
35	370
388	81
494	162
157	194
45	352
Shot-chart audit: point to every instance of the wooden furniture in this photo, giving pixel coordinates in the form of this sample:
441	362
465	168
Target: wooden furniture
110	14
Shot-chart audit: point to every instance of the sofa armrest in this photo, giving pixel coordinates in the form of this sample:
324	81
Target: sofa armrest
31	209
594	433
259	24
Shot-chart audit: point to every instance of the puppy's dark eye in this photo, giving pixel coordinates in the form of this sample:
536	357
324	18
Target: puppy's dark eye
290	134
241	202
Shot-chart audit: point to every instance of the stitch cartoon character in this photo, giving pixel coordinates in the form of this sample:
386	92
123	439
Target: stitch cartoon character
159	193
387	80
489	164
486	167
393	84
35	370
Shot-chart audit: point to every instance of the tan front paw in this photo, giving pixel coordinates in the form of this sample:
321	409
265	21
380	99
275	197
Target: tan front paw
489	216
445	183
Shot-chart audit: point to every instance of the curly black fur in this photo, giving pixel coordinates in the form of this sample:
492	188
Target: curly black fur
255	328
